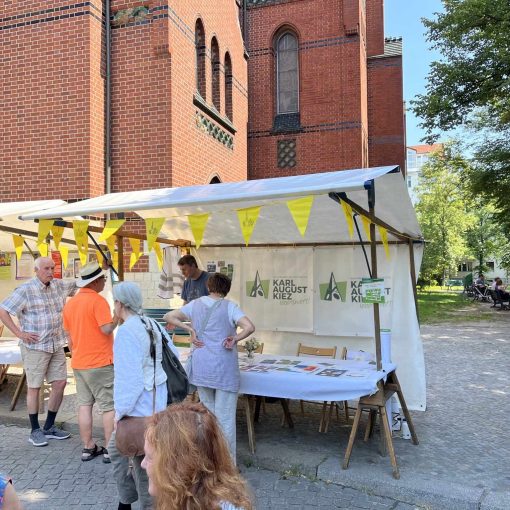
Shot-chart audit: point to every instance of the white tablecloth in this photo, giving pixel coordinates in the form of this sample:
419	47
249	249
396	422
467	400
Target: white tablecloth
9	351
281	377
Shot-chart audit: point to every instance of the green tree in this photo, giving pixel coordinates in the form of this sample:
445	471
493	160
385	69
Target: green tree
441	210
483	236
470	86
472	37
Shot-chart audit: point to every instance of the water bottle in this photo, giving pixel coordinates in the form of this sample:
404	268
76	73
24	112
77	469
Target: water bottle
406	433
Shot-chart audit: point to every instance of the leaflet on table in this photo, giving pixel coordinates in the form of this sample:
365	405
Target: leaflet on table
286	365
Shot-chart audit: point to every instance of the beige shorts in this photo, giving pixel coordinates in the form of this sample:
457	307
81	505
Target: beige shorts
39	365
95	385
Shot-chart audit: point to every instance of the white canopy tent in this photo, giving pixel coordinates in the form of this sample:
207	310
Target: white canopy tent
275	225
11	224
377	193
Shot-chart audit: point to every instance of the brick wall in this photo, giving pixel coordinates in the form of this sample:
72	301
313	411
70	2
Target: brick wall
386	112
51	99
350	116
160	136
333	129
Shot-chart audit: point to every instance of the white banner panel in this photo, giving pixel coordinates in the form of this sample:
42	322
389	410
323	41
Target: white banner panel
278	288
338	302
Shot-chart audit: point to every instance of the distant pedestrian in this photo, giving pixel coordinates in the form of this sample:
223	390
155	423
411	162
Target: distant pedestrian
189	464
38	305
195	283
88	320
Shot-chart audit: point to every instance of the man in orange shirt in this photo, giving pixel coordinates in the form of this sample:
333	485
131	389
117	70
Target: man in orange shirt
88	320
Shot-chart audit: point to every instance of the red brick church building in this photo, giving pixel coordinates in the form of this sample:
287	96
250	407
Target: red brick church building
181	92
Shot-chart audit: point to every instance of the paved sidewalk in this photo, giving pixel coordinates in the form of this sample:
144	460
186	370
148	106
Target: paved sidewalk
463	460
54	478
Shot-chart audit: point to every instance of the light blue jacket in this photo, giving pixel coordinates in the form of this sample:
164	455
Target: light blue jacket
134	371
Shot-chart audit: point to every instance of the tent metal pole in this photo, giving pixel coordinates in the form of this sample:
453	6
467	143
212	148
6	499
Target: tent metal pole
105	257
120	252
413	278
336	198
360	210
362	245
373	253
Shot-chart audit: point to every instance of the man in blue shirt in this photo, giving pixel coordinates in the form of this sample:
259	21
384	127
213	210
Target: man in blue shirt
195	283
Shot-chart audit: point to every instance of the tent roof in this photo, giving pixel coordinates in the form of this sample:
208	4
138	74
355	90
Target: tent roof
9	217
275	224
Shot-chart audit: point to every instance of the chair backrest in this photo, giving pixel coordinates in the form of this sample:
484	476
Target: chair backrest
156	313
327	352
258	350
181	339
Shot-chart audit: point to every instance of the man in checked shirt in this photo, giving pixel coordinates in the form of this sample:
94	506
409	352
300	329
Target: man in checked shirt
38	306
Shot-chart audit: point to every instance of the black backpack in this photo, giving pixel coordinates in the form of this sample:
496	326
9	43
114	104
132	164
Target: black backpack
177	383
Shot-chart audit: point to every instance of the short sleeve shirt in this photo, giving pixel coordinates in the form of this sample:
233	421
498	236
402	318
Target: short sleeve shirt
194	289
84	314
38	308
234	312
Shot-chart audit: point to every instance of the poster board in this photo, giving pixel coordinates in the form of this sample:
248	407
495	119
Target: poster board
24	267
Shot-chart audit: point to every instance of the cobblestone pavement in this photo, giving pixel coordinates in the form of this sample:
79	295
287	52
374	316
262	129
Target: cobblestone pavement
54	478
463	456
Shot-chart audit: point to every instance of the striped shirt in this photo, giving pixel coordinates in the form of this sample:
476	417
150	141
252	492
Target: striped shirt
38	308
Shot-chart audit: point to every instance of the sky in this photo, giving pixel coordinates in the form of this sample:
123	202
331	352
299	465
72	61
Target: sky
402	18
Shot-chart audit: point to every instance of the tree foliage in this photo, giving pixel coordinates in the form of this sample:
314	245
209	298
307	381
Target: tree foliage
470	86
441	210
472	37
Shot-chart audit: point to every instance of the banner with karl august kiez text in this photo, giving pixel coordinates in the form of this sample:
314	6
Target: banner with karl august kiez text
276	288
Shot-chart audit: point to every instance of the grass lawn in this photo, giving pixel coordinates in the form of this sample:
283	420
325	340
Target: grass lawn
437	305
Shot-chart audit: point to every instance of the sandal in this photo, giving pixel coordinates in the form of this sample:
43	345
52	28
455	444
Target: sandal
89	453
106	456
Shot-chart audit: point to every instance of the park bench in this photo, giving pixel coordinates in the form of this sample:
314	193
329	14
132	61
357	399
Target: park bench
454	282
498	300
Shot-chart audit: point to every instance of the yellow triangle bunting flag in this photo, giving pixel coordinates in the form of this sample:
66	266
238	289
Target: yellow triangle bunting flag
110	228
384	238
348	217
57	232
18	245
198	222
80	236
43	249
115	260
159	255
366	226
110	242
153	228
300	209
135	252
64	253
99	258
43	231
247	219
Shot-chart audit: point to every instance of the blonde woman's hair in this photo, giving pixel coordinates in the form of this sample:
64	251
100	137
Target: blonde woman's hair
192	465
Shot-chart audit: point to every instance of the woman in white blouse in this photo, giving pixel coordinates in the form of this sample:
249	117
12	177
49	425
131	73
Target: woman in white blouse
136	375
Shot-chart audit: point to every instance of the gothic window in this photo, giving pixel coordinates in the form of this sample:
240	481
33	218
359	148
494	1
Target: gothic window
228	87
287	73
215	76
200	52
